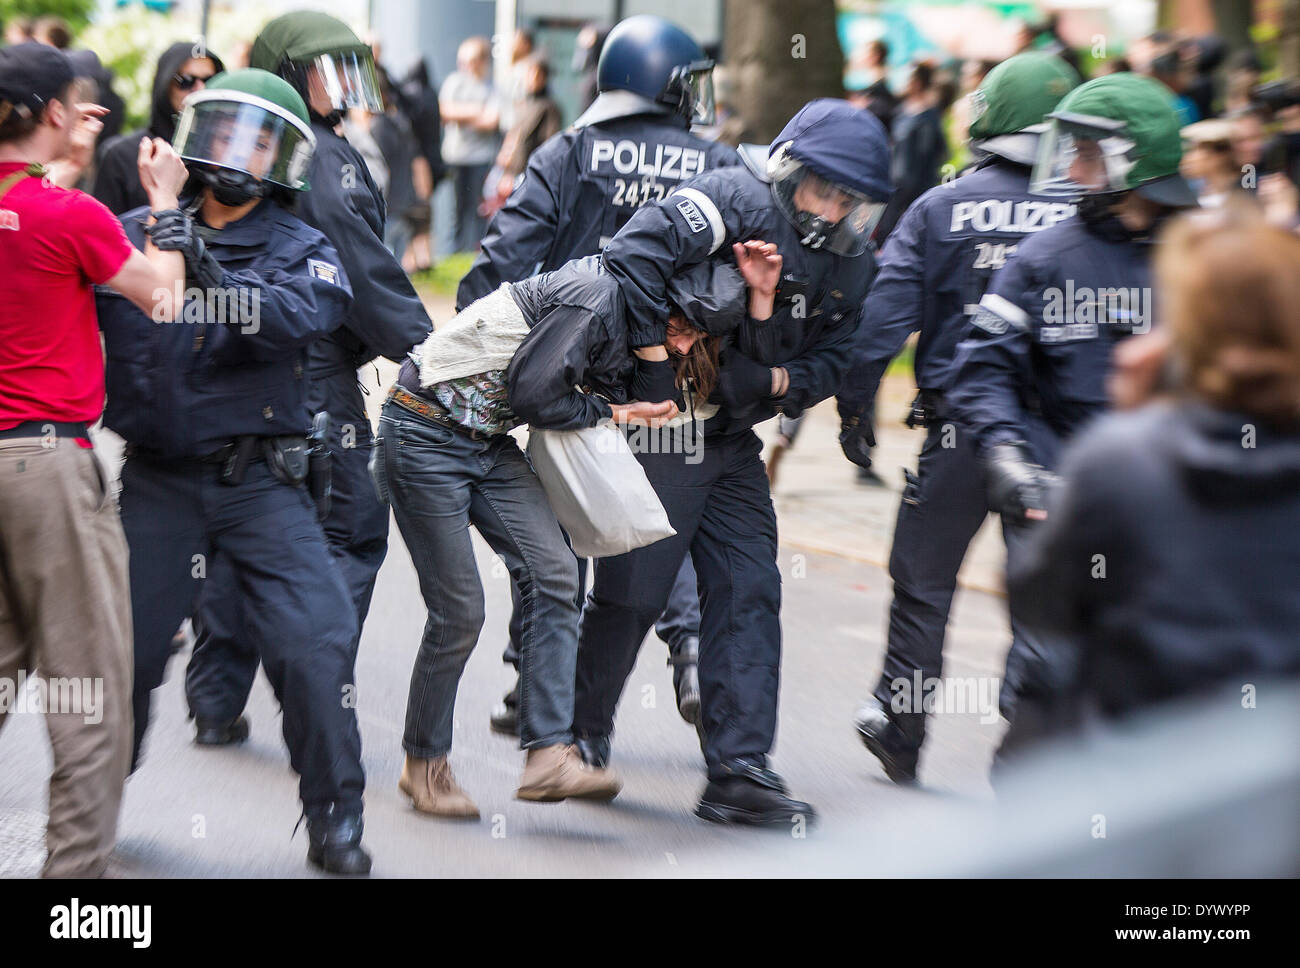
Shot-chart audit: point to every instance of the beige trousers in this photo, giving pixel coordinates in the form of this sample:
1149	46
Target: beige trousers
65	622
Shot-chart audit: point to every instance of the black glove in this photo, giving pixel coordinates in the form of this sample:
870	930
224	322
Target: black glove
174	231
654	381
1015	483
742	382
856	440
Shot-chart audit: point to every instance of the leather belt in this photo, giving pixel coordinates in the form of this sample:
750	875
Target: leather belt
423	408
45	428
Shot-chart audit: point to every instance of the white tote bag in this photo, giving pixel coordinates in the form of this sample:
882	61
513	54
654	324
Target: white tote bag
598	490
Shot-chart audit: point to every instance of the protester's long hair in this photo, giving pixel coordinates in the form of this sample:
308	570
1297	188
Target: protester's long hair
699	366
1231	297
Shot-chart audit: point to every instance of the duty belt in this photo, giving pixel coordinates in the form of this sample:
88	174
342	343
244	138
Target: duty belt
429	411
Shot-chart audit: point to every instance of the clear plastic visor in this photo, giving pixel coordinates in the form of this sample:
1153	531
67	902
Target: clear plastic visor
1078	159
244	137
845	217
699	81
343	81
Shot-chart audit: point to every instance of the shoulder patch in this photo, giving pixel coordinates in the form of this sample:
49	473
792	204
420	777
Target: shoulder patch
323	270
695	219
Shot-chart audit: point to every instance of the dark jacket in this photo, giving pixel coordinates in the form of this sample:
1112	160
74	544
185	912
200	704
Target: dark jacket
935	269
579	189
387	317
1171	561
920	150
577	338
117	182
818	302
537	120
186	388
1039	348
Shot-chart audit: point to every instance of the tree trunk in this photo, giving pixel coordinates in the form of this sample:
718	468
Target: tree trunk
780	55
1288	40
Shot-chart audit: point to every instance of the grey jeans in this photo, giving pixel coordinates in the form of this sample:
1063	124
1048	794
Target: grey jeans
440	481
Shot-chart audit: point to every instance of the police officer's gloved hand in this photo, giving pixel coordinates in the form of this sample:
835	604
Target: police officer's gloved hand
741	381
654	381
174	231
1016	484
856	440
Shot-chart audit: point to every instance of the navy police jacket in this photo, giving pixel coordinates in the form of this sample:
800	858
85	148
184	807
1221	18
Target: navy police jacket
1034	364
234	361
387	317
579	189
818	302
934	270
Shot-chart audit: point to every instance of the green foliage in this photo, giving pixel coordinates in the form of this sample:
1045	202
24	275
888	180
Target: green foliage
75	12
444	277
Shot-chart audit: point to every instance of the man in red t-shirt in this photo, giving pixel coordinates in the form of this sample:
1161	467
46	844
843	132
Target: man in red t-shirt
65	608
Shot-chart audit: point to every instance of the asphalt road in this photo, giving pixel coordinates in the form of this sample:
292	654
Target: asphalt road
219	813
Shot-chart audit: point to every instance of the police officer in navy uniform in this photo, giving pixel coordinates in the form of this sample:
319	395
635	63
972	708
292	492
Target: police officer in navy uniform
1032	370
632	147
932	273
332	70
816	196
214	410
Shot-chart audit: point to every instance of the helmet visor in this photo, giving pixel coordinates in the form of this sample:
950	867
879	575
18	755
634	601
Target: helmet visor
1083	155
699	82
343	79
829	215
252	136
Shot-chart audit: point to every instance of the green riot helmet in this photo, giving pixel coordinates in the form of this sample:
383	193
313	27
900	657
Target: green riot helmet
1112	135
246	131
325	61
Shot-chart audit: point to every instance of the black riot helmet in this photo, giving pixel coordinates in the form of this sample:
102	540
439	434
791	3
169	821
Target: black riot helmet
651	66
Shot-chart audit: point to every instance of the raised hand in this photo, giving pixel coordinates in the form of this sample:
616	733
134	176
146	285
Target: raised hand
759	263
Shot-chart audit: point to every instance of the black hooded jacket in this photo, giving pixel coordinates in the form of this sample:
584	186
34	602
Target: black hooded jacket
1171	562
117	182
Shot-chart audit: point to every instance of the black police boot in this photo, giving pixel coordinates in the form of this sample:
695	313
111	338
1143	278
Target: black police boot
505	718
686	678
870	478
334	843
751	795
887	742
210	733
593	749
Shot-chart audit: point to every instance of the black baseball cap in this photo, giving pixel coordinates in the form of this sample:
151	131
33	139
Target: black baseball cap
31	75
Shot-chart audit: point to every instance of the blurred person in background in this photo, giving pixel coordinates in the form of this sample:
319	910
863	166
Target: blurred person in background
64	596
1116	65
522	50
932	274
1171	69
1200	531
1203	57
1032	370
396	141
1243	70
19	30
578	191
470	113
876	96
1248	137
418	96
920	147
179	73
586	56
537	119
1209	162
54	32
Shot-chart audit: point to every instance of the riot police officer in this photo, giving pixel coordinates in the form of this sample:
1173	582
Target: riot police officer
632	146
815	196
214	410
1032	370
932	273
332	70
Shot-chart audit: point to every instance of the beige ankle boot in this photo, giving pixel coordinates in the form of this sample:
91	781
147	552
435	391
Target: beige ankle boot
433	790
557	772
